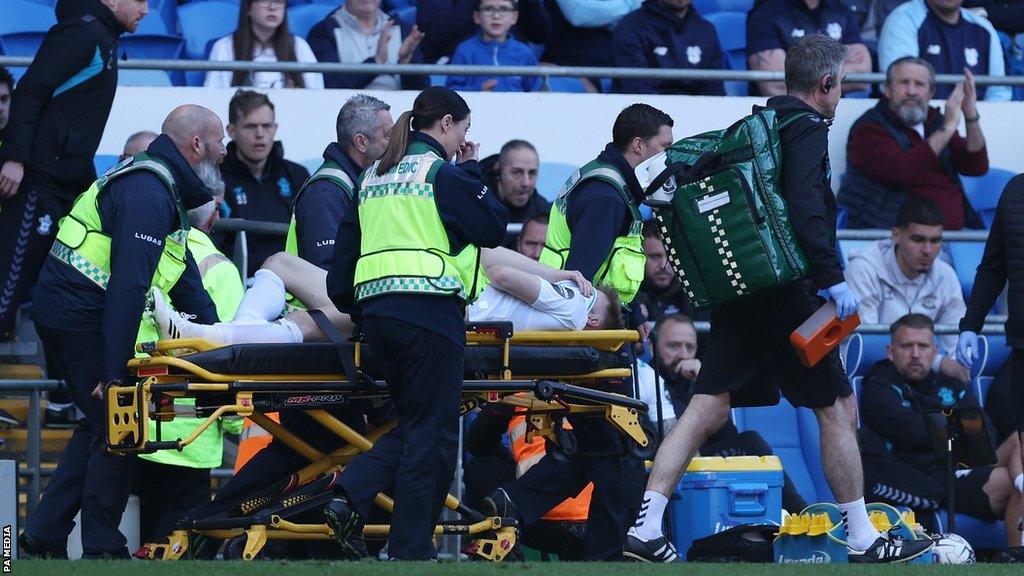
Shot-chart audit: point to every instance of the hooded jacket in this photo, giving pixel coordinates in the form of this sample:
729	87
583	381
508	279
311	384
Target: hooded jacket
61	105
886	294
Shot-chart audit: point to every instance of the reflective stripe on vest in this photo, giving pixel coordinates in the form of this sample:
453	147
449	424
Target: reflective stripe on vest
82	244
404	247
329	170
525	454
623	268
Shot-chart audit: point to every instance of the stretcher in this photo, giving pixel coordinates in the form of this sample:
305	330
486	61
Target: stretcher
548	375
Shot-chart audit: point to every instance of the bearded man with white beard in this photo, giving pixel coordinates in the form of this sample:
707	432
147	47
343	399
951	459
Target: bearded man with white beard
903	147
125	234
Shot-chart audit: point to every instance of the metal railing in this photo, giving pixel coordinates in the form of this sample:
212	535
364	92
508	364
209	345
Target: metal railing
464	70
33	449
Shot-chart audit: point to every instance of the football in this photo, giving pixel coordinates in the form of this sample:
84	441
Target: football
952	549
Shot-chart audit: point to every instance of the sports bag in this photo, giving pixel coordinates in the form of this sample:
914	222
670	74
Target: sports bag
719	206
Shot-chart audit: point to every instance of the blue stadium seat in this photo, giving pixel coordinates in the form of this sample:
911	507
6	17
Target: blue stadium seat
390	5
153	46
202	22
566	84
144	78
984	191
162	18
980	534
551	176
872	351
301	19
103	162
981	386
732	35
793	435
26	16
966	257
741	6
852	349
20	44
996	354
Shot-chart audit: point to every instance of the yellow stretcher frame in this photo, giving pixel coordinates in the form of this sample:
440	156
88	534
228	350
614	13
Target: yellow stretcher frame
128	409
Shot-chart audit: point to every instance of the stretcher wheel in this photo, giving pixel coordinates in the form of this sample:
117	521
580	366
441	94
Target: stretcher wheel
564	448
644	452
545	391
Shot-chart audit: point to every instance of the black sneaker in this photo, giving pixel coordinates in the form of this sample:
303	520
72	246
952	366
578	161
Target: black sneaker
657	550
499	504
889	548
66	417
34	548
347	526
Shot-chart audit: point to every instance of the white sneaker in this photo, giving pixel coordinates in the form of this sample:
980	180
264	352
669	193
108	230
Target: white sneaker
169	322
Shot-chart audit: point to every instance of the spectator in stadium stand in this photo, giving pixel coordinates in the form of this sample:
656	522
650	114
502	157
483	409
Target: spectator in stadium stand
530	241
262	36
446	23
902	147
513	174
363	128
678	365
901	465
88	305
1006	17
947	36
774	25
661	292
259	182
667	34
903	274
493	46
6	87
581	31
360	31
56	120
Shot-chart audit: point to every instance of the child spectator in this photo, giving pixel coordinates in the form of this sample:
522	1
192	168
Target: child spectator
493	46
262	36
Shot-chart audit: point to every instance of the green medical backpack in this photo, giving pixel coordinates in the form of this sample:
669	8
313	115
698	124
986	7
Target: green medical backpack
722	217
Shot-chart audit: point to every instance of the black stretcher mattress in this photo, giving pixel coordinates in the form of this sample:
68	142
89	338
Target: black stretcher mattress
322	358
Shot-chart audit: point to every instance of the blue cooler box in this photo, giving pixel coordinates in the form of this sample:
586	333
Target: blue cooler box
716	494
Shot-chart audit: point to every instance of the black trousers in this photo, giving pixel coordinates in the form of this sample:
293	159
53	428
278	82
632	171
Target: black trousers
484	473
166	492
618	488
418	457
28	225
87	478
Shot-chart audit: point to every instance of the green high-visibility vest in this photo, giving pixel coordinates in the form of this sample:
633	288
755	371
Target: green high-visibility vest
222	281
331	171
82	244
404	247
623	268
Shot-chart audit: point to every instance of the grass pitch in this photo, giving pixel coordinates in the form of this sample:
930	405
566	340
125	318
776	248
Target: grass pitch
374	568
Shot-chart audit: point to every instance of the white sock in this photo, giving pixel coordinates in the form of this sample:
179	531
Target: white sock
58	406
1018	482
264	300
648	522
282	331
860	533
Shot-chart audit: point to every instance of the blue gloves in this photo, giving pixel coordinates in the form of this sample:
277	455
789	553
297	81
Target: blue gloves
967	348
846	301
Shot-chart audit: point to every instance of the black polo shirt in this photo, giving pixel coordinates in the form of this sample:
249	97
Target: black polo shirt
777	24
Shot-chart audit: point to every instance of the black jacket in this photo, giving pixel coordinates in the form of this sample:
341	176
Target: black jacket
267	198
470	214
895	417
60	106
319	209
1002	261
572	46
137	211
807	188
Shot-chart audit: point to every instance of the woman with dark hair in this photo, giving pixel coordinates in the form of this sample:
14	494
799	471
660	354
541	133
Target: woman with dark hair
262	36
405	265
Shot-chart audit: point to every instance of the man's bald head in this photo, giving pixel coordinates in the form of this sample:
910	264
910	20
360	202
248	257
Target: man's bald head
188	121
138	142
